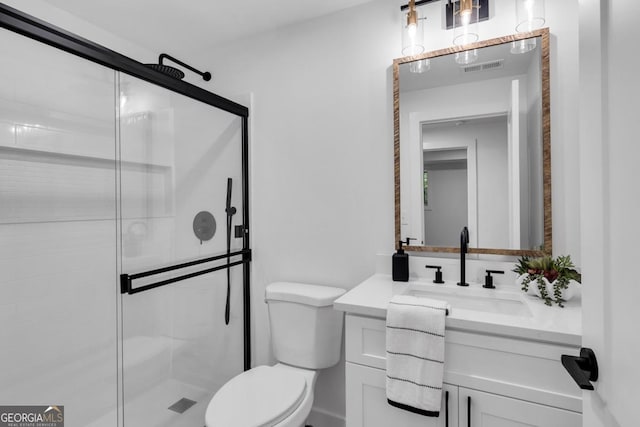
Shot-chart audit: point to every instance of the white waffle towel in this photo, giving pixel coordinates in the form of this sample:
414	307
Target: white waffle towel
415	353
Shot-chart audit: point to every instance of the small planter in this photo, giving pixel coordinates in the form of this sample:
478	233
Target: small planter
533	288
534	277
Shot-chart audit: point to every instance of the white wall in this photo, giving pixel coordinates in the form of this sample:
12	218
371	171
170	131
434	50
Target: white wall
322	145
78	26
610	207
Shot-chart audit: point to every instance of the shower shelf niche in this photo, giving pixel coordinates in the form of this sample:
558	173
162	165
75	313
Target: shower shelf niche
54	205
40	156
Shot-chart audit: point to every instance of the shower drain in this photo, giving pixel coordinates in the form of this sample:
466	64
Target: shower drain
182	405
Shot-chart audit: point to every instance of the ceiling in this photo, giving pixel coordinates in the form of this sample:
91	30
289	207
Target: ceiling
171	26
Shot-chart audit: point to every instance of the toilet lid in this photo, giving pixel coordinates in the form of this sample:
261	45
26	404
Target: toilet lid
260	397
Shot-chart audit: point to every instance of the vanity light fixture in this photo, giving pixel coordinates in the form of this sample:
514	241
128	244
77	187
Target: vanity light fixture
465	21
529	17
412	31
465	17
465	10
413	37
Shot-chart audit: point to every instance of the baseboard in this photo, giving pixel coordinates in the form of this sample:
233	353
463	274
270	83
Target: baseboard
321	418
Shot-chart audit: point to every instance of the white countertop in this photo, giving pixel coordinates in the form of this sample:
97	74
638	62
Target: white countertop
550	324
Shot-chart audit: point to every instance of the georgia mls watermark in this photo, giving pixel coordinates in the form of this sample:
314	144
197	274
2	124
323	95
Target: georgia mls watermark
32	416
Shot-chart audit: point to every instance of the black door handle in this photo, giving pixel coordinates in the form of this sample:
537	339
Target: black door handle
583	369
468	411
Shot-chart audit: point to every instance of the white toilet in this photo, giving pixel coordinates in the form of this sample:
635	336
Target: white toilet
306	334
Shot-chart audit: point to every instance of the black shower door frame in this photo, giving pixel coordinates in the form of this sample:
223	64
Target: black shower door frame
34	28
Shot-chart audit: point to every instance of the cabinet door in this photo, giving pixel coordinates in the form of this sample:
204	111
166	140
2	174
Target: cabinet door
367	402
490	410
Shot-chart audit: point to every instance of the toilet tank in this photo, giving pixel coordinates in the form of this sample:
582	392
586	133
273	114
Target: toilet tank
305	329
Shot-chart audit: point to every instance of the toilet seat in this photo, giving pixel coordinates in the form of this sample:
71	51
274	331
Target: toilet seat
260	397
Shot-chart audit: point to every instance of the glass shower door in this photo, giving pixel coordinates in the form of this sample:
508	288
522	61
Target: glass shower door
176	157
58	281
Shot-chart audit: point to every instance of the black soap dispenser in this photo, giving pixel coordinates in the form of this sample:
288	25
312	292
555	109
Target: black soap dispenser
400	269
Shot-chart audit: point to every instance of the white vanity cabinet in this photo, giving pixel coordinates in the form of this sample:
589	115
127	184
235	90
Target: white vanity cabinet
504	381
367	402
491	410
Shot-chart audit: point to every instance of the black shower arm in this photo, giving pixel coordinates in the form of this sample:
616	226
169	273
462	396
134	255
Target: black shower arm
206	75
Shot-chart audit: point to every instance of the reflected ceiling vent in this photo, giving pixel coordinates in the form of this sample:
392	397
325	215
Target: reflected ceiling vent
484	66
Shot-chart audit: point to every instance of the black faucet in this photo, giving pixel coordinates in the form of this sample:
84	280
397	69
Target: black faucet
464	248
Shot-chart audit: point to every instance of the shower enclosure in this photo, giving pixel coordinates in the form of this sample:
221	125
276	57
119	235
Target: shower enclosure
113	289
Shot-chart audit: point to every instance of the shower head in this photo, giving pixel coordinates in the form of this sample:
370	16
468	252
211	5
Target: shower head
174	72
168	70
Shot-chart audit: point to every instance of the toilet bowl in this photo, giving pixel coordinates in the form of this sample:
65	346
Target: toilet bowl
306	334
265	396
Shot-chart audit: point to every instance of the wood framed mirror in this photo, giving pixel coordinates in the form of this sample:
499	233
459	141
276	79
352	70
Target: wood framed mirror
472	147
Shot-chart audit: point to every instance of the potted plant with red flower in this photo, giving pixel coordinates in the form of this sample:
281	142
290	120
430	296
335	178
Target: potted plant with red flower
554	280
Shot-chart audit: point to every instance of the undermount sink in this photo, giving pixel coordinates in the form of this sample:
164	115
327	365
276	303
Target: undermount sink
485	300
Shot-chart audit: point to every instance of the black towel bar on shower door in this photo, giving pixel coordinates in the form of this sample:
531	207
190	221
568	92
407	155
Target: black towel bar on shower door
127	279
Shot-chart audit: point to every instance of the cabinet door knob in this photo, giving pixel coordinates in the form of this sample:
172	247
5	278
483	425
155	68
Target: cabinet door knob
583	369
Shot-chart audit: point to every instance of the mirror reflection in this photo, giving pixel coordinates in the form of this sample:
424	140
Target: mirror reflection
471	148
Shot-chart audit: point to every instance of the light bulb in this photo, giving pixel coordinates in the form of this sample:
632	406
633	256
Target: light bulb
465	17
466	7
411	29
